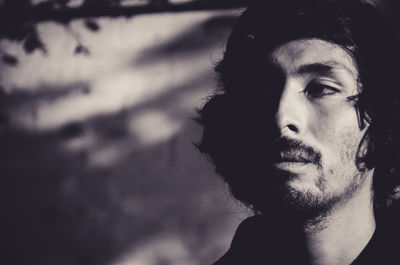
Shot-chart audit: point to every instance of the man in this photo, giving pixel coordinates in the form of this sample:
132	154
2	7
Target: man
306	131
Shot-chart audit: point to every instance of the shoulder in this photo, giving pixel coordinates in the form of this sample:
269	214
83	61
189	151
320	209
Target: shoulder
246	243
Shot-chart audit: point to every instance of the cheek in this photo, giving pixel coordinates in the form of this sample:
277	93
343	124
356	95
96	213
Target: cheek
349	142
331	119
339	160
336	133
339	150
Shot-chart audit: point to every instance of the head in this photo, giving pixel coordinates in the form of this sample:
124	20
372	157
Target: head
308	107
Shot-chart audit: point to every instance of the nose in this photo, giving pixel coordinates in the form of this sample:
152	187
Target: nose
291	113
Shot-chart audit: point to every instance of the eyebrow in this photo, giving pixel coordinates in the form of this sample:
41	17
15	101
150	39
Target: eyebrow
324	68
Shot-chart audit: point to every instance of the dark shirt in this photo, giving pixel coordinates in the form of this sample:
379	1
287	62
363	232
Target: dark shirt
261	241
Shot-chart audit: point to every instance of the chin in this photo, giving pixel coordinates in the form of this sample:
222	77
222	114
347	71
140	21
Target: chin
303	201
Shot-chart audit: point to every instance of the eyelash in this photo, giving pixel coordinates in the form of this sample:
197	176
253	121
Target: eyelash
322	93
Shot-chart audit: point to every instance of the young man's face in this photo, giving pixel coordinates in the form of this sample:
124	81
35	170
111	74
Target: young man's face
314	109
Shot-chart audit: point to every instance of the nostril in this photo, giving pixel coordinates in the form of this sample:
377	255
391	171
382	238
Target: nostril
292	128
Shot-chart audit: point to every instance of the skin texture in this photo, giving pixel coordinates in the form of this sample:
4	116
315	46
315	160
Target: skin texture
315	109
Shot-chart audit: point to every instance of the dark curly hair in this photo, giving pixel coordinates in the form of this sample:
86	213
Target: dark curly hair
237	119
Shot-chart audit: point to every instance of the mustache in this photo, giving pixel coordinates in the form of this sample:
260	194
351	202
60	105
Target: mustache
291	150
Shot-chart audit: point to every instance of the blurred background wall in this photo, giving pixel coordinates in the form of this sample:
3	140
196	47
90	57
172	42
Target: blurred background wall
98	164
97	161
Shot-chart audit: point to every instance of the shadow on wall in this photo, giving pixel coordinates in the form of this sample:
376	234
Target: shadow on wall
197	40
120	185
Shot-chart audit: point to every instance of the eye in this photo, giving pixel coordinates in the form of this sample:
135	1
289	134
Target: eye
319	90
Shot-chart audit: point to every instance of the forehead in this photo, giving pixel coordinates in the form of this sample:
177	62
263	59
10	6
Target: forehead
292	56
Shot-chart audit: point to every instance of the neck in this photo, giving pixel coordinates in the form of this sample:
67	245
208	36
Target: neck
341	236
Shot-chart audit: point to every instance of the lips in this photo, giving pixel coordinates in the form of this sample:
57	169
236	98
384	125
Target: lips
291	157
292	162
284	151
